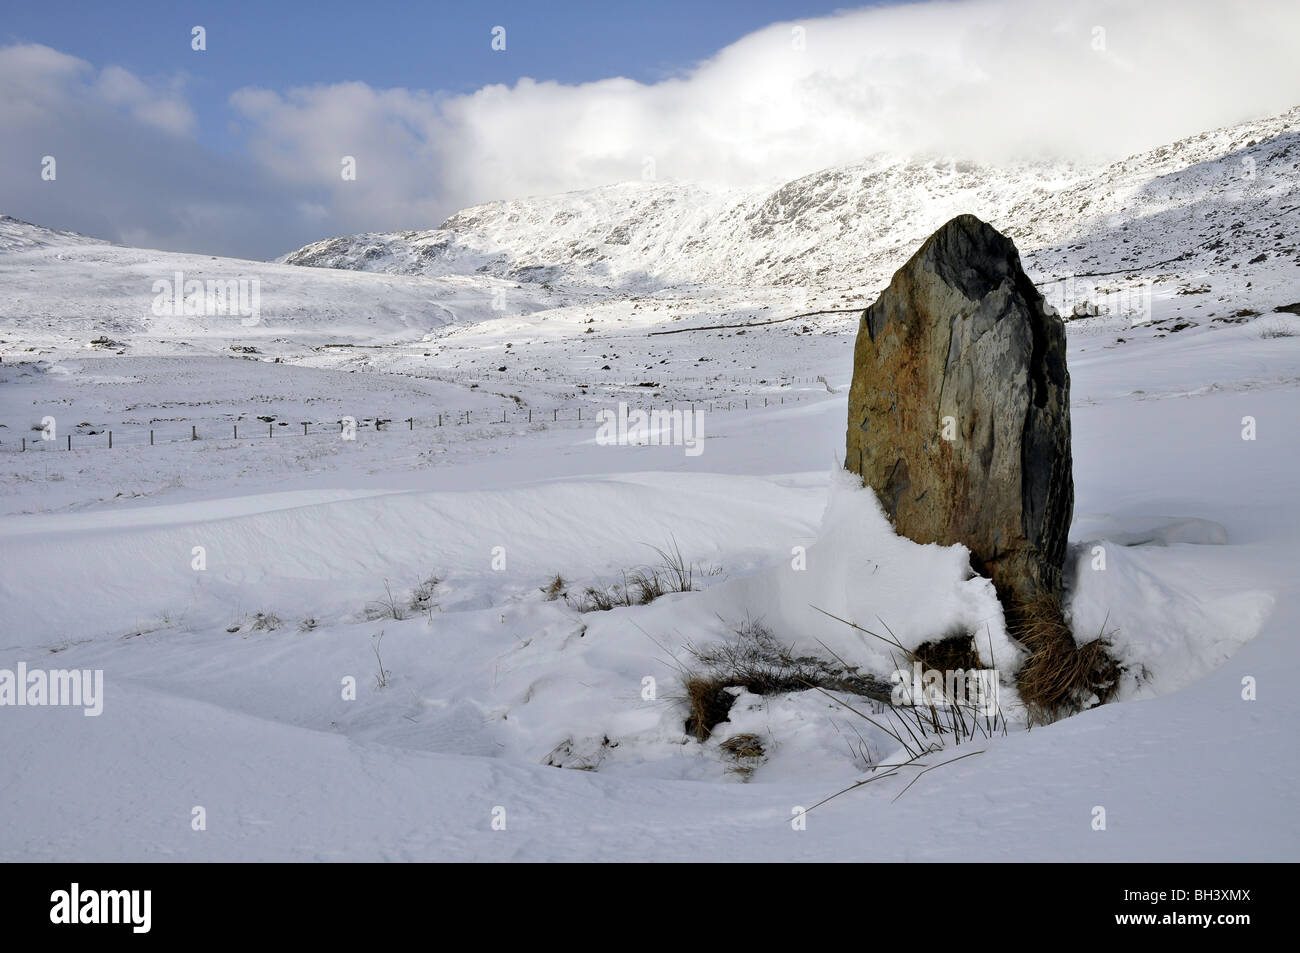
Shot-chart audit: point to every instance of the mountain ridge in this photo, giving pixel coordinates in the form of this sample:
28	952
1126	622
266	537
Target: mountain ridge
851	226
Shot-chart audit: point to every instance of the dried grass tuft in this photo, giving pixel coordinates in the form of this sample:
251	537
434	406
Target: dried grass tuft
1059	677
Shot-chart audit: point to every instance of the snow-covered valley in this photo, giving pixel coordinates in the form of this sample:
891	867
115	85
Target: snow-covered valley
353	647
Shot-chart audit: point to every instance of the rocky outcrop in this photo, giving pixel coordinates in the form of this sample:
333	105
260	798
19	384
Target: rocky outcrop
959	410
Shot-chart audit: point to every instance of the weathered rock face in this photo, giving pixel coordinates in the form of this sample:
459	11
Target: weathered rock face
959	411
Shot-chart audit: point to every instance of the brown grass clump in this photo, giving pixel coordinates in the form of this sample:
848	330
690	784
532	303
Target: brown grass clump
708	704
745	752
639	587
753	659
743	746
1059	677
555	588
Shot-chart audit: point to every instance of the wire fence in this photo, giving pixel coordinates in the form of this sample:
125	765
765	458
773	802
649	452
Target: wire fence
263	429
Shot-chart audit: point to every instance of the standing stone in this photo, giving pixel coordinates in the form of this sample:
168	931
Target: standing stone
959	411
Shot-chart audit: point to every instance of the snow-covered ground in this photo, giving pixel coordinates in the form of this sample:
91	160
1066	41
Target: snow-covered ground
229	589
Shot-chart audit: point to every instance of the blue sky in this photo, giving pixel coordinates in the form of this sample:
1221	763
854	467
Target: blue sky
238	150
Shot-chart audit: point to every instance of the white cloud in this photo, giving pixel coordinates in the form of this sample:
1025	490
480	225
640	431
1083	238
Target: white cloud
163	107
35	78
987	79
128	166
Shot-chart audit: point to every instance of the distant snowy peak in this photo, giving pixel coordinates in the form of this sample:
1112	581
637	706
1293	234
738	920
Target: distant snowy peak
852	226
15	235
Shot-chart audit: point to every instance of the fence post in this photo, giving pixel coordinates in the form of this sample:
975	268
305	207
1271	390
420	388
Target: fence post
304	428
194	432
440	420
411	423
110	440
151	438
24	444
579	413
69	441
555	414
503	416
270	430
530	415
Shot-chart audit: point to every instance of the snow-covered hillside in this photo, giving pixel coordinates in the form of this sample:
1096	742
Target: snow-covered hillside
1217	199
17	235
63	290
